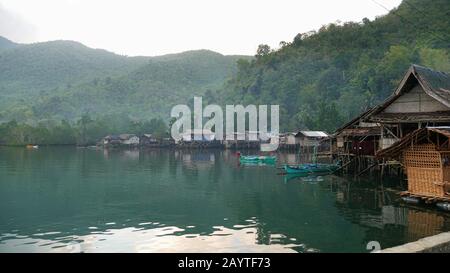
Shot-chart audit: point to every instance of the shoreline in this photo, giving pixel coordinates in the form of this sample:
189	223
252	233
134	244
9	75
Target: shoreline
439	243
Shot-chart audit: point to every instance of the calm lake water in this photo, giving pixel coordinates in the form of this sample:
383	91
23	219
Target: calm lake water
81	200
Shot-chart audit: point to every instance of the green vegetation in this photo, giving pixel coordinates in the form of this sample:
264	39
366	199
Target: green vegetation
6	44
321	80
84	131
52	86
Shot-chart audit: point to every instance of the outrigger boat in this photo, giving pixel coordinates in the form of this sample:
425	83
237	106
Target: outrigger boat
311	168
257	159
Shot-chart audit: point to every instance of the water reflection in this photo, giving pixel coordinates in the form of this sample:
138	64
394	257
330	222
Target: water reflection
80	200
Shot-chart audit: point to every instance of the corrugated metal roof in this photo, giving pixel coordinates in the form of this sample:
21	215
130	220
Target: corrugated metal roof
314	133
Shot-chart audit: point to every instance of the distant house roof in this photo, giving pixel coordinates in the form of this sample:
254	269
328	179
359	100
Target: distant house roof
354	121
126	136
112	137
312	134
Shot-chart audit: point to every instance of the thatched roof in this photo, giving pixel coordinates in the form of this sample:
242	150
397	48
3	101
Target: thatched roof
435	83
354	122
416	137
361	132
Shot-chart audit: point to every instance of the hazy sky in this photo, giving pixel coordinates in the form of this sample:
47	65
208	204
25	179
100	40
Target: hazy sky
155	27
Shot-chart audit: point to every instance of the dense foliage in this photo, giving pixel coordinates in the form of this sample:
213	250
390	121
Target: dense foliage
84	131
323	79
46	83
63	92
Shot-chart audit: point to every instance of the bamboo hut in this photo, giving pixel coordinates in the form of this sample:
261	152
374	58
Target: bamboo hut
421	99
425	155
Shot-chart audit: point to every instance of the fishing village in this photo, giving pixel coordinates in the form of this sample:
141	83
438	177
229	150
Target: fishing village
407	136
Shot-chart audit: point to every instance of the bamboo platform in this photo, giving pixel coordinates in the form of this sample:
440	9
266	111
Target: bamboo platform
428	199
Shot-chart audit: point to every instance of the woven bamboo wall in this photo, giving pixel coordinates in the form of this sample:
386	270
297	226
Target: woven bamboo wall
424	170
446	174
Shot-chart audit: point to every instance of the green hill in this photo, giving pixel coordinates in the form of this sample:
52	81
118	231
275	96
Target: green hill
29	68
320	79
64	80
6	44
324	78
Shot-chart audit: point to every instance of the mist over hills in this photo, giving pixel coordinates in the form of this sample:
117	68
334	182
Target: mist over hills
320	79
65	79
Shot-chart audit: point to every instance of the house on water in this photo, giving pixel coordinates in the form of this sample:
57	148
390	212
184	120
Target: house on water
421	99
148	140
123	139
199	138
425	154
310	138
305	140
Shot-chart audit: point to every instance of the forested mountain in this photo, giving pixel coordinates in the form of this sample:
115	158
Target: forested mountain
322	79
29	68
64	80
148	92
62	91
6	44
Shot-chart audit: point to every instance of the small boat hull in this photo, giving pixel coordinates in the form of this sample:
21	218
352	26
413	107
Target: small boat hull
258	159
309	169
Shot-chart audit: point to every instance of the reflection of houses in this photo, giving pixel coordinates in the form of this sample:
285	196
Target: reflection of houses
423	224
198	160
425	154
377	212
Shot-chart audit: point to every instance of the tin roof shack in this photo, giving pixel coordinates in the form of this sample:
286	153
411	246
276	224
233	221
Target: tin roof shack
111	140
425	154
149	140
313	141
357	137
310	138
129	139
118	140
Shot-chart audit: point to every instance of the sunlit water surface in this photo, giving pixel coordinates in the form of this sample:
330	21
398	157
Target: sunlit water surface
64	199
